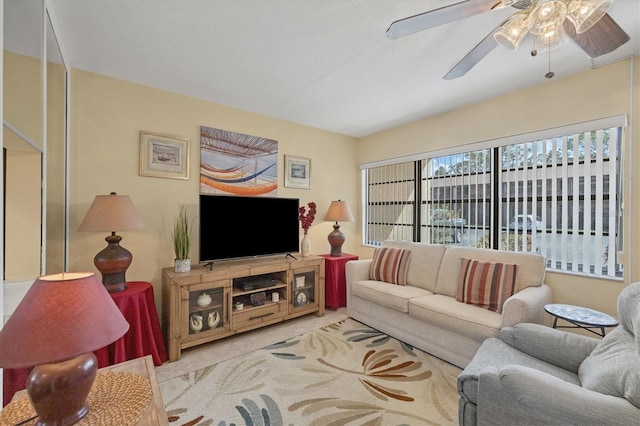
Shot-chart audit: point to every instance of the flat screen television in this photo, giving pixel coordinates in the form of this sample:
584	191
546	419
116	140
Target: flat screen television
239	227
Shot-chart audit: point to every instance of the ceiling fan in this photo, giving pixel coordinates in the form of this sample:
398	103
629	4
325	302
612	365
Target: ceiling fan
552	22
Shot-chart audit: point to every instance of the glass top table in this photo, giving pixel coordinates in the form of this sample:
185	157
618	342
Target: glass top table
580	317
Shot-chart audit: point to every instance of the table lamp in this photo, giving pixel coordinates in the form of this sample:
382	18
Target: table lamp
112	213
339	211
56	327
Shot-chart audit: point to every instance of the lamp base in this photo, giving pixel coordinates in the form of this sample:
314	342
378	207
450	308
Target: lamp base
112	262
336	239
58	391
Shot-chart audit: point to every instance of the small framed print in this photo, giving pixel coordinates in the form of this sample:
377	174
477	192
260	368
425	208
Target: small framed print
164	156
297	172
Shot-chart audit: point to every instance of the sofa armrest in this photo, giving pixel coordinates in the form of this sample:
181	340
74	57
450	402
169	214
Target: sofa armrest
356	270
520	395
565	350
527	306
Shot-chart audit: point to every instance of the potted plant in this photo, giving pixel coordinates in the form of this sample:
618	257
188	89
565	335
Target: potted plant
182	240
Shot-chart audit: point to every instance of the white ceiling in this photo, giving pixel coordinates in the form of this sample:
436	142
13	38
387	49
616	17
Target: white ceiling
321	63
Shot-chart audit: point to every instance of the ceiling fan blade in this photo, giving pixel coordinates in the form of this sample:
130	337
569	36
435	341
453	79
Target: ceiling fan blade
436	17
472	58
604	37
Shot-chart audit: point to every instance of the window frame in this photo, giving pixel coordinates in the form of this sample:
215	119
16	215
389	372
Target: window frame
495	147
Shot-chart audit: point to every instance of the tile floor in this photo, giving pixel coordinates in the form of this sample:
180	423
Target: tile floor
211	353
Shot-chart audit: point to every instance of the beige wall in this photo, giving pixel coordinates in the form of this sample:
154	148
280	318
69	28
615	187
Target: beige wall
107	116
598	93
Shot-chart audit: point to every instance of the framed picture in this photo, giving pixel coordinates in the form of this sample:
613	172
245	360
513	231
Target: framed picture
297	172
164	156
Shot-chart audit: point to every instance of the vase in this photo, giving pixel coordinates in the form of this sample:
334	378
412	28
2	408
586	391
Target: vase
182	265
204	300
305	246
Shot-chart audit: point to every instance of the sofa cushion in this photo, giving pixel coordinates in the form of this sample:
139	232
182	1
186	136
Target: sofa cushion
390	265
612	367
486	284
392	296
531	267
422	254
447	313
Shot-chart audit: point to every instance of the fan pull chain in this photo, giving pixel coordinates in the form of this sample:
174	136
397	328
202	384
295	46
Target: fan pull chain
550	74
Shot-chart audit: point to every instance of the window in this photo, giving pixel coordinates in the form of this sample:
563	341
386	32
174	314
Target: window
456	198
555	195
390	203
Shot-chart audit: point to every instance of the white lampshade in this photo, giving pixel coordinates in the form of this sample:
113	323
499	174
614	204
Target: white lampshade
111	213
339	211
585	13
513	31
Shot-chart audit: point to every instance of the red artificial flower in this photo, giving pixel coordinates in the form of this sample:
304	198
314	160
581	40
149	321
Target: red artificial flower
306	219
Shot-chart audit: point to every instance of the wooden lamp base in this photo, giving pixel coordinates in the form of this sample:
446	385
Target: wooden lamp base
112	262
58	391
336	239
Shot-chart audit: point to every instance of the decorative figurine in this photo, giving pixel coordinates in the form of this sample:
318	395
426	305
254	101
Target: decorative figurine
196	322
214	319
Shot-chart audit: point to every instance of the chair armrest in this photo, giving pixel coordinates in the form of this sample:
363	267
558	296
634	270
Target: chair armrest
521	395
527	306
565	350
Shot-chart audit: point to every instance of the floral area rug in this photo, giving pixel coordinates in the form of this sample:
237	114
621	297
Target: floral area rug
342	374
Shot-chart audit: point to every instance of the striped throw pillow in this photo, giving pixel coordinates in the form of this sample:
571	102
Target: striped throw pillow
390	265
486	284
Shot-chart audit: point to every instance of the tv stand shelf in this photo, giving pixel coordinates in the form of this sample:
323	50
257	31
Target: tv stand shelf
200	306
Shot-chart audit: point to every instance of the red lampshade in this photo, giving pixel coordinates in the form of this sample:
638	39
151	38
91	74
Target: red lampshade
60	317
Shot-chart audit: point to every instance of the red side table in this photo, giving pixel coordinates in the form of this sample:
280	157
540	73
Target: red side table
335	281
143	338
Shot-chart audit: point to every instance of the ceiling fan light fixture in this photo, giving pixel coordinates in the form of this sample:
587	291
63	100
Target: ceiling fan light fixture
550	40
513	31
585	13
546	15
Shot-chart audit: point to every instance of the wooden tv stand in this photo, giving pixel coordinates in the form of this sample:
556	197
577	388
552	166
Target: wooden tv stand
200	306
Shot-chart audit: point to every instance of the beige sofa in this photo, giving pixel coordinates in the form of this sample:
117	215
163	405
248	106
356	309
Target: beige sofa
425	313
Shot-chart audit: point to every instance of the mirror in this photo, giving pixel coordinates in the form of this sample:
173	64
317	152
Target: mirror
23	138
23	68
55	154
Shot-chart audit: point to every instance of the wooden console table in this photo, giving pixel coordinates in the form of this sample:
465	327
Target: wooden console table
235	296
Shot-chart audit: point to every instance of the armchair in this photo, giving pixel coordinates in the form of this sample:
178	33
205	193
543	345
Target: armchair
535	375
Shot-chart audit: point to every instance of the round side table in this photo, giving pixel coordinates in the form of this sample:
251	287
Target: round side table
580	317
